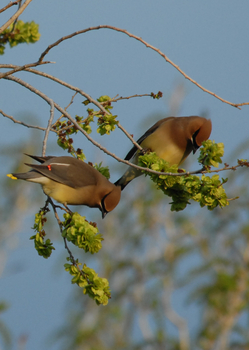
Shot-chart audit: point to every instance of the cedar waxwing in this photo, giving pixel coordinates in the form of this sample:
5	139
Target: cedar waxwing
172	139
71	181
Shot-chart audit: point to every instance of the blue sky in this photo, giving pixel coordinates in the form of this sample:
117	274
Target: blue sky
207	40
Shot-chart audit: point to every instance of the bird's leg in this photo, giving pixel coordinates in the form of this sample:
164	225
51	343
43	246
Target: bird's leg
49	200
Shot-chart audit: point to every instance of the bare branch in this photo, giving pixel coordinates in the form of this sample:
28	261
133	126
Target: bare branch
131	138
81	92
72	259
116	98
98	104
9	5
22	123
44	145
67	127
20	68
14	17
147	45
241	163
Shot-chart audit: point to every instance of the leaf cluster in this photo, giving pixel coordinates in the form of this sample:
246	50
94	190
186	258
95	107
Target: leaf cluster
77	230
65	129
81	233
211	153
94	286
106	122
18	33
44	248
156	96
208	191
104	170
85	235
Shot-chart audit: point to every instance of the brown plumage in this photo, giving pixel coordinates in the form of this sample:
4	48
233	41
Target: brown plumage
172	139
71	181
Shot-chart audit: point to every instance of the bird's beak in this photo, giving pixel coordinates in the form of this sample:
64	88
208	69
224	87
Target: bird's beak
103	211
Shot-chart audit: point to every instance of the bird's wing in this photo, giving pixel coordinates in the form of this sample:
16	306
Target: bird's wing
38	158
131	153
72	175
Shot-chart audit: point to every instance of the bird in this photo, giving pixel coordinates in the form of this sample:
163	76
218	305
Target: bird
172	139
71	181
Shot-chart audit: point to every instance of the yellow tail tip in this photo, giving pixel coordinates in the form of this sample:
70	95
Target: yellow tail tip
12	176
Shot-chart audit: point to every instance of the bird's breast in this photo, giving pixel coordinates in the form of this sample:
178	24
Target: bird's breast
166	150
68	195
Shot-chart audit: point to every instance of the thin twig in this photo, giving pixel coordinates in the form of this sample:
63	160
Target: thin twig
49	200
147	45
59	81
116	98
44	145
98	104
17	14
71	257
24	124
15	21
227	167
9	5
63	115
131	138
20	68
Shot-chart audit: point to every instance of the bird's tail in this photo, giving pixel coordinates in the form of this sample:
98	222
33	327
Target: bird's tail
130	174
12	176
120	182
29	176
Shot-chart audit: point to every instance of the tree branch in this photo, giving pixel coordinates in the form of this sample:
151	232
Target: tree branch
20	68
116	98
9	5
98	104
130	138
147	45
24	124
15	16
71	257
44	145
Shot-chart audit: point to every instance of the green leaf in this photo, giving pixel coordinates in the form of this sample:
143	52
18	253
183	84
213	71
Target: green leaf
103	170
82	233
106	123
44	248
93	285
211	153
104	98
18	33
208	191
